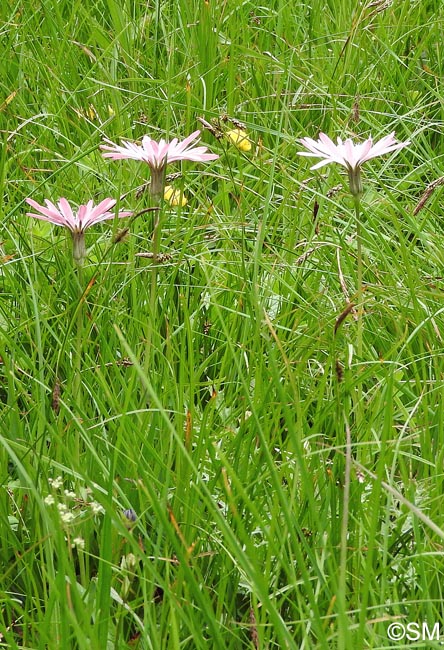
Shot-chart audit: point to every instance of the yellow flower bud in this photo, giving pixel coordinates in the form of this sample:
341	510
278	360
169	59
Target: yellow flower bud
239	138
91	112
174	196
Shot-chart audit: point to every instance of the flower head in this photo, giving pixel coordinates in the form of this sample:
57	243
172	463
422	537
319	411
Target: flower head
239	138
76	222
63	215
349	155
158	154
130	515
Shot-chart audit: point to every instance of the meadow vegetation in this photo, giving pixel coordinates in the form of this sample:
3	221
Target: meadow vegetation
236	441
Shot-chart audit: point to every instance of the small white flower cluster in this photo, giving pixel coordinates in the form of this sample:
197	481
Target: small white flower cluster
78	504
96	508
78	542
56	483
65	515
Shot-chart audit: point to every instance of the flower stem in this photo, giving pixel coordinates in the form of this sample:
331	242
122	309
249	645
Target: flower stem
359	300
342	585
77	379
359	291
156	201
357	422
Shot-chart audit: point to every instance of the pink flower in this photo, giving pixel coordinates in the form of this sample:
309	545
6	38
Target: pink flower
349	155
86	216
158	154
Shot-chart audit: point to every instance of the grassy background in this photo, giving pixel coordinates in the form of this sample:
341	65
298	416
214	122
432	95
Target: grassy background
217	407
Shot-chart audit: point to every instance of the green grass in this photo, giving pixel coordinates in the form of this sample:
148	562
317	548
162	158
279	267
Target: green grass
217	407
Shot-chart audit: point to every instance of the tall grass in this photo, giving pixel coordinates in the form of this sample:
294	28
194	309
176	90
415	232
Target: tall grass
187	489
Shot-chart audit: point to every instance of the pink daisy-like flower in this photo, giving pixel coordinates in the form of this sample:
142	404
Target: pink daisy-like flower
158	154
349	155
76	222
63	215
